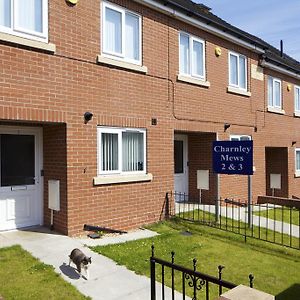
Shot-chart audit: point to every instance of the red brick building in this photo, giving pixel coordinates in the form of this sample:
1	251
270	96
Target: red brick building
161	79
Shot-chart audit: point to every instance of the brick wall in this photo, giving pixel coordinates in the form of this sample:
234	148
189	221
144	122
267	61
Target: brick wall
54	90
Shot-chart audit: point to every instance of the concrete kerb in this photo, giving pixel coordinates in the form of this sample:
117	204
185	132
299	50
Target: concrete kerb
108	281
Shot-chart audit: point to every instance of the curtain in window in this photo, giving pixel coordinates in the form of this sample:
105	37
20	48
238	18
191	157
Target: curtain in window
242	72
30	15
109	151
133	151
233	69
113	31
184	54
298	160
270	91
5	13
197	61
132	37
277	92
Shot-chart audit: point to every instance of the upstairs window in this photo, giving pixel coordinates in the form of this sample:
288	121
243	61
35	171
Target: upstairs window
274	93
191	56
237	71
121	150
297	100
27	19
121	32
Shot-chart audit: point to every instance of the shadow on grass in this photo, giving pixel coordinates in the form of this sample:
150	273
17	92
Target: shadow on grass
291	293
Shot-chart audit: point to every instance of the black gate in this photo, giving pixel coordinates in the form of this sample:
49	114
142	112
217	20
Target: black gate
196	282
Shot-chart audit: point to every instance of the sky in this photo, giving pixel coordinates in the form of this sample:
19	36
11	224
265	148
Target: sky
270	20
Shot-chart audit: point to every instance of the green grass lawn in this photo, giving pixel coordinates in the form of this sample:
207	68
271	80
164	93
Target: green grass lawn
24	277
276	268
286	215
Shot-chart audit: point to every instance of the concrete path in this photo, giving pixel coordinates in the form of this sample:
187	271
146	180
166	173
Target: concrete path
108	281
242	215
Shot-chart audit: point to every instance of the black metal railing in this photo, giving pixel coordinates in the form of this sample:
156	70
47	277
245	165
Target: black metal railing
188	281
268	222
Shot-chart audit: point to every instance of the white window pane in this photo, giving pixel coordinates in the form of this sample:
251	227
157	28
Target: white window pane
270	91
109	151
132	49
5	11
242	72
297	99
133	151
298	160
30	15
233	70
197	61
245	138
277	93
184	54
113	31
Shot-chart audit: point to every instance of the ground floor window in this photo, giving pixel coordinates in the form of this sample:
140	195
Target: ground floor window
240	137
121	150
297	168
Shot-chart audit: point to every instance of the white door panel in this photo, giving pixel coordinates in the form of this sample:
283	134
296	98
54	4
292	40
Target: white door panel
20	185
181	172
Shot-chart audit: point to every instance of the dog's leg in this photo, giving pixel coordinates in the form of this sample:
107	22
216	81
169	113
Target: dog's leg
87	274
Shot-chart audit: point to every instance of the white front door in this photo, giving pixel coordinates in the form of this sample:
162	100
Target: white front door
20	178
181	173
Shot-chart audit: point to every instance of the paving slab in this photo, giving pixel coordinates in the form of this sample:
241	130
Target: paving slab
108	281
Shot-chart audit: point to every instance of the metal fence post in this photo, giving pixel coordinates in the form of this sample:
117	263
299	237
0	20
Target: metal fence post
152	274
249	201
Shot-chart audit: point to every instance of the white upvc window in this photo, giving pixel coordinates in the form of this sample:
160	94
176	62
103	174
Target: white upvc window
274	93
237	70
235	137
121	33
121	151
25	18
191	56
297	162
297	100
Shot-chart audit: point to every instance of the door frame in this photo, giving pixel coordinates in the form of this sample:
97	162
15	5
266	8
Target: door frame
184	138
38	133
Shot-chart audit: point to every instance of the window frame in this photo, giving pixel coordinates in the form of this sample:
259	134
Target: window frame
238	55
297	171
192	38
239	136
119	131
274	80
114	55
297	93
17	30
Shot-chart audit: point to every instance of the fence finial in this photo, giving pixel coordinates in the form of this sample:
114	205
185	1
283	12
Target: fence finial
195	263
172	255
251	278
152	250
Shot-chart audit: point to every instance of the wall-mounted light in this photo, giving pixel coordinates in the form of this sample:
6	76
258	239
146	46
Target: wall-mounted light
73	2
294	143
218	51
226	126
289	87
87	117
154	121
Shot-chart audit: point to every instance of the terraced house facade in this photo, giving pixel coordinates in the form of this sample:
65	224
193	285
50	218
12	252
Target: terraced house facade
111	104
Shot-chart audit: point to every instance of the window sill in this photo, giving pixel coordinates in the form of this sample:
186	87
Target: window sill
297	174
193	80
276	110
238	91
112	179
121	64
48	47
297	114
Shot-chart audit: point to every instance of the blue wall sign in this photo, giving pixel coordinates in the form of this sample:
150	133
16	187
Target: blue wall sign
233	157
